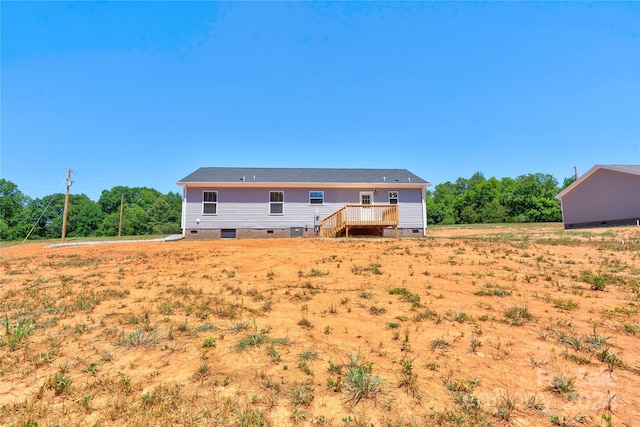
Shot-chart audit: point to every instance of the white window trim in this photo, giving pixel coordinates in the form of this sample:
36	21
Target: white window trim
205	202
397	198
270	202
371	193
322	198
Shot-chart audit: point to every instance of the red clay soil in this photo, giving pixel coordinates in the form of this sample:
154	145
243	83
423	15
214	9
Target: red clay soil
526	325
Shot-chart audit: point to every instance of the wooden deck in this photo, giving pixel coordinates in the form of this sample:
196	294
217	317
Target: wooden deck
375	217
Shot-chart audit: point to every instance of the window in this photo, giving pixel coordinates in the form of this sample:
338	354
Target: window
276	202
316	197
210	203
366	197
393	197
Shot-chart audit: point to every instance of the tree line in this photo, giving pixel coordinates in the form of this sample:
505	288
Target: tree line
528	198
145	211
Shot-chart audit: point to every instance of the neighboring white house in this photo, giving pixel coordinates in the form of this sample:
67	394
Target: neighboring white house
605	195
221	202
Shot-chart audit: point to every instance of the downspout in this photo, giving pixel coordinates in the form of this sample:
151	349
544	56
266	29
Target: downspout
424	212
184	211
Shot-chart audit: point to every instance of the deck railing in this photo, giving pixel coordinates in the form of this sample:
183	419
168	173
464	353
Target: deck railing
349	216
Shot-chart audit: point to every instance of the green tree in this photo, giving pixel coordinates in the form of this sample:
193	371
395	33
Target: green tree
45	216
532	199
527	198
12	206
85	216
145	211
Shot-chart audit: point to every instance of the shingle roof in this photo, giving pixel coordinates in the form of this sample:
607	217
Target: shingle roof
301	175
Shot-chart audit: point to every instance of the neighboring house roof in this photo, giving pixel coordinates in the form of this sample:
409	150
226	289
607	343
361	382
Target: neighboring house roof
234	175
630	169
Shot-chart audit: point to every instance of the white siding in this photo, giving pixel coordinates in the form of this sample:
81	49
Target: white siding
249	207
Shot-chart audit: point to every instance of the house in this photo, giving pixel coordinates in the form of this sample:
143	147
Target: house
224	202
605	195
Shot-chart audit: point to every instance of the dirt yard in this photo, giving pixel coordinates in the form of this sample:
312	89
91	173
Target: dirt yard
522	325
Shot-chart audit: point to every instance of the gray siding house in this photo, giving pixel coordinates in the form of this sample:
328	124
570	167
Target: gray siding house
223	202
605	195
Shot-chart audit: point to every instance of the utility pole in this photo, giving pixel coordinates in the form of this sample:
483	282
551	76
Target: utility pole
575	172
66	206
121	206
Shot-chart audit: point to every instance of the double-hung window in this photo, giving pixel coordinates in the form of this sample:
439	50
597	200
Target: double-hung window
276	202
393	197
210	203
316	197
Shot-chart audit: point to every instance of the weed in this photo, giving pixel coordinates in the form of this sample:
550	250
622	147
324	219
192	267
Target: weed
309	355
273	354
517	315
256	340
302	395
316	273
298	414
564	385
373	268
610	358
461	317
60	382
249	416
405	295
305	324
251	341
598	283
360	383
376	311
138	338
475	343
408	379
440	343
427	313
535	402
238	327
92	368
493	290
505	405
209	342
84	403
366	294
304	366
16	332
335	368
565	304
202	372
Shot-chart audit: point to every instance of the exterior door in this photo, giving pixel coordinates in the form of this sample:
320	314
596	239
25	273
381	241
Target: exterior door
366	212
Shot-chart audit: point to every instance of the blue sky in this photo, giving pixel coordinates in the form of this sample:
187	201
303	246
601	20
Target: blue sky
143	93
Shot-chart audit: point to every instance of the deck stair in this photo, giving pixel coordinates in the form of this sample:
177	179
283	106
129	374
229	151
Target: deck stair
350	217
